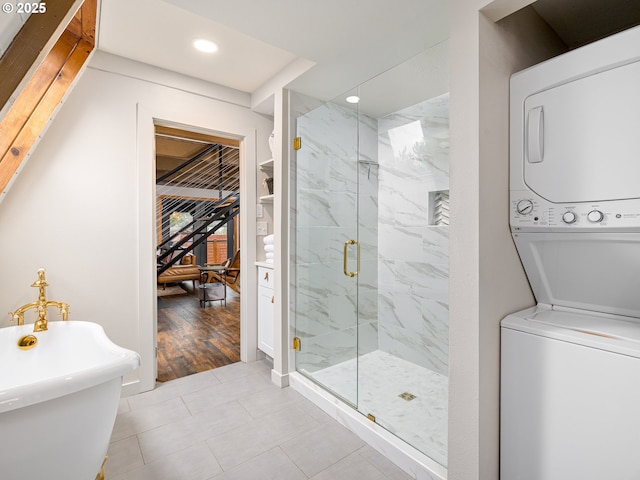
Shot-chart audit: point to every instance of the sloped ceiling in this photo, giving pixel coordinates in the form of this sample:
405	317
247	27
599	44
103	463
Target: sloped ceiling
206	163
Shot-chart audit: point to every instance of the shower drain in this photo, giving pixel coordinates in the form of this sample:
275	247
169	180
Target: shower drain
407	396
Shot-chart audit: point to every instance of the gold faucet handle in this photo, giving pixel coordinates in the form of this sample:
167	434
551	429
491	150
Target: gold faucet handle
63	309
41	282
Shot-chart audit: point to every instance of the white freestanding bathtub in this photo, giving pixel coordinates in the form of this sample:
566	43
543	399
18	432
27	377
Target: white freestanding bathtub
58	400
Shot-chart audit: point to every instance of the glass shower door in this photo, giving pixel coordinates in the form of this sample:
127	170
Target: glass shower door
327	249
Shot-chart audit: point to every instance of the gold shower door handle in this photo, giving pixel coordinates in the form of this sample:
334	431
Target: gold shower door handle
346	248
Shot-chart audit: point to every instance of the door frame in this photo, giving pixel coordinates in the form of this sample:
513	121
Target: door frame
147	286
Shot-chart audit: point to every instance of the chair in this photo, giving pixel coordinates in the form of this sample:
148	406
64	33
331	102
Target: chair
231	275
185	270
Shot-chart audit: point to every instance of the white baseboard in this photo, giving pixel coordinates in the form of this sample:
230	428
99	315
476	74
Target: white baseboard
130	388
280	379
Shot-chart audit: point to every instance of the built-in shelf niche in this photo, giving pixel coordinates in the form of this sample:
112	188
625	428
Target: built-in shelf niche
267	168
439	208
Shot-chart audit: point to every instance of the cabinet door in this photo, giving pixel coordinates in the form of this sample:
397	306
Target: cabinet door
265	277
265	320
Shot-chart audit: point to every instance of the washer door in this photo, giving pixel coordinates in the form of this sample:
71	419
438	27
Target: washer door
582	141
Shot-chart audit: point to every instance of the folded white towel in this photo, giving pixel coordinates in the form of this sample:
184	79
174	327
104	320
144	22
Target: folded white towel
269	255
269	260
268	248
268	240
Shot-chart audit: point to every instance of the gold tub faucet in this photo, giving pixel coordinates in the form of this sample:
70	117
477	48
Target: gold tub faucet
41	305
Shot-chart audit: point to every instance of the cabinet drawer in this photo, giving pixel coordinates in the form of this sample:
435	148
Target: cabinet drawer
265	277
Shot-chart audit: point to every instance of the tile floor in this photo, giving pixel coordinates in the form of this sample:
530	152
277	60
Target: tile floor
233	423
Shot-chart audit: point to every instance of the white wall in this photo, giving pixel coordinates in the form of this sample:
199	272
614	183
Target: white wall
487	280
83	206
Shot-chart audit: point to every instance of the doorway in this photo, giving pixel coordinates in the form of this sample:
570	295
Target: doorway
197	226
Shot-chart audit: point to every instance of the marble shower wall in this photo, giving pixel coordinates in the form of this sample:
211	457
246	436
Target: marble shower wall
413	261
326	213
402	289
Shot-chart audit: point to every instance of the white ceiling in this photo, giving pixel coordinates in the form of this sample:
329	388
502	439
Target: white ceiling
161	34
347	41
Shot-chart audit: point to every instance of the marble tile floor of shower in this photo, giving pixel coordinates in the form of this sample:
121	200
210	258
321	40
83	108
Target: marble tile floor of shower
382	379
232	423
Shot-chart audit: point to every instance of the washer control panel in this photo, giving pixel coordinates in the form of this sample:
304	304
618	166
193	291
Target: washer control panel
529	211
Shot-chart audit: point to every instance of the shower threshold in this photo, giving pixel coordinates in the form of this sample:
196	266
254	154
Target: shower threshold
411	434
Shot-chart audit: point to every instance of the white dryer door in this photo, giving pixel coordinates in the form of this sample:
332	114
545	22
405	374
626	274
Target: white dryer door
591	271
582	138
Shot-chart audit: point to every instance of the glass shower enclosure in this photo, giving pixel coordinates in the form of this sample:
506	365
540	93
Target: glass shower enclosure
370	272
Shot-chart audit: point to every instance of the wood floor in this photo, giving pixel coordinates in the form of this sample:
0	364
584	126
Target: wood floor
194	339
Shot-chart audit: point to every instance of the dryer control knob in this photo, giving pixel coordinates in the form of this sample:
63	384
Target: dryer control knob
569	217
524	207
595	216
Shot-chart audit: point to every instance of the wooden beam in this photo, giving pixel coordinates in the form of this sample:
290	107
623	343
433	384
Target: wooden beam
83	23
28	44
75	25
21	110
41	95
42	113
88	14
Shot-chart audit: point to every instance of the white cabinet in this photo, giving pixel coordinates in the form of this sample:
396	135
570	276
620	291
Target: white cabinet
265	309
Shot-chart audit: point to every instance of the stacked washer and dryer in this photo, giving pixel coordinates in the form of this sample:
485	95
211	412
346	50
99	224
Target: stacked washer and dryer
570	366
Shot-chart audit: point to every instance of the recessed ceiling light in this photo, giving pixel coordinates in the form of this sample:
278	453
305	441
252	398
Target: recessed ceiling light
353	99
206	46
